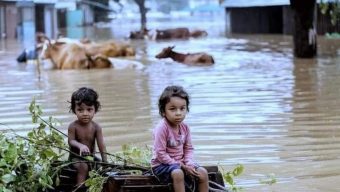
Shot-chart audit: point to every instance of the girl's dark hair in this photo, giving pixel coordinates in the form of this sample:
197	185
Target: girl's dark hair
171	91
85	95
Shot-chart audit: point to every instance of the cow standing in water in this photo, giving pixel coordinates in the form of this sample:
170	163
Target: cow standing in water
189	58
142	34
198	33
176	33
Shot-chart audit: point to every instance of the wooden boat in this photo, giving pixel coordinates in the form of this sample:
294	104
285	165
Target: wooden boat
127	182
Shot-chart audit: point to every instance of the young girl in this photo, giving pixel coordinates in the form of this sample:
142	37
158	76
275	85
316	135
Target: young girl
83	133
172	157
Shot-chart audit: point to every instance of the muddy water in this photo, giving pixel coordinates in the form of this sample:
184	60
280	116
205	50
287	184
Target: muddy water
257	106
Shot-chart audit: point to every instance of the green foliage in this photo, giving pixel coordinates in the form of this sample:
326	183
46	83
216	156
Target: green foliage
26	162
230	175
95	181
332	35
333	9
131	154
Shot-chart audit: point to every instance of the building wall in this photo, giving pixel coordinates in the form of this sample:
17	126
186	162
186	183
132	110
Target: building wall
8	19
324	24
256	20
11	21
287	20
2	22
88	14
271	19
39	14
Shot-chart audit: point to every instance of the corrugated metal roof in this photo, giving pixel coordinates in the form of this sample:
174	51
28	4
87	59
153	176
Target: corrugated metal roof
259	3
46	1
9	0
254	3
33	1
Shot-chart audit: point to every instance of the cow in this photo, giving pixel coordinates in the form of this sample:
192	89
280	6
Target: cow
110	49
72	56
189	58
142	34
65	55
198	33
176	33
100	62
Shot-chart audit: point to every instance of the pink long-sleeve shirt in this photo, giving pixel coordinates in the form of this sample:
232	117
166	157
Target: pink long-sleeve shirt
170	147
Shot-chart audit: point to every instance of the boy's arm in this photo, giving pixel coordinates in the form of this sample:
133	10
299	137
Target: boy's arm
74	143
101	144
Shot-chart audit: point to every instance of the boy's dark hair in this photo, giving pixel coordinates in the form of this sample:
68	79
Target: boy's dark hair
84	95
172	91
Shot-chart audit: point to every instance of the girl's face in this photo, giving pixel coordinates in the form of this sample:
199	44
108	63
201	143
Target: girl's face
85	113
175	111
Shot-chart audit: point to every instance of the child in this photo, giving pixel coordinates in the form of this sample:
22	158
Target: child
172	158
83	132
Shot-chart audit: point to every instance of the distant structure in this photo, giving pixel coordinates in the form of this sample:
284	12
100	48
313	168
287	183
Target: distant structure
263	16
23	18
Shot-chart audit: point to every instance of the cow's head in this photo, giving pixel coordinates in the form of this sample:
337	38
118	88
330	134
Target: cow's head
127	51
139	34
50	48
165	53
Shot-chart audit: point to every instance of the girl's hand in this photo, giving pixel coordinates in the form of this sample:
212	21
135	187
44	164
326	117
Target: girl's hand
191	170
84	150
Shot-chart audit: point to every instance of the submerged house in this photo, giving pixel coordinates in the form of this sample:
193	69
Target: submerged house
262	16
21	19
73	13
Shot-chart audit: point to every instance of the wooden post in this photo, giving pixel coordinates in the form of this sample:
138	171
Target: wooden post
304	30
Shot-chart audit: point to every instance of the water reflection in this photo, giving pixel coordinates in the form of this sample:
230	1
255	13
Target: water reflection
257	105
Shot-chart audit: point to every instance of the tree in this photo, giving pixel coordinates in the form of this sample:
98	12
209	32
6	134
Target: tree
304	30
142	10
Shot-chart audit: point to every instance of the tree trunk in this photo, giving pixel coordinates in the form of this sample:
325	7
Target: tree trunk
143	10
304	30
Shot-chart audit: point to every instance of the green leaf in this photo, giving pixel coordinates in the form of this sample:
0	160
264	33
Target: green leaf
229	179
238	170
90	158
7	178
49	153
11	153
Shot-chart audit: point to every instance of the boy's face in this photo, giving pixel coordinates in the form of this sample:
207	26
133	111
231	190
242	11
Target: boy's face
85	113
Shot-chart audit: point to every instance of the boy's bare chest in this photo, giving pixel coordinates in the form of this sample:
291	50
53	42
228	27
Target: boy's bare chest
85	134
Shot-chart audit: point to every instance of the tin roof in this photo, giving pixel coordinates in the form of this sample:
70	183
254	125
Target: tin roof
32	1
259	3
254	3
46	1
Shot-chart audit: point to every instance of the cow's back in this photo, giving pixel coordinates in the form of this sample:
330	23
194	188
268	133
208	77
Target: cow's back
73	56
199	58
176	33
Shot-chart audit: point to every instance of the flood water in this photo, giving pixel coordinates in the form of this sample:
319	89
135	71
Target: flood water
257	106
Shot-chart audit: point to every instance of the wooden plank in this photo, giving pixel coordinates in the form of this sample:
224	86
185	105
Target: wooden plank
131	183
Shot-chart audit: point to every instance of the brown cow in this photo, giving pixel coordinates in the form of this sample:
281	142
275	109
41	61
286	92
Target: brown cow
142	34
100	61
72	56
110	49
176	33
66	56
189	58
198	33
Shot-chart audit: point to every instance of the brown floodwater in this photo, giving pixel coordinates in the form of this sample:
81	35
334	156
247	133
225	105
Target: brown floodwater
257	106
